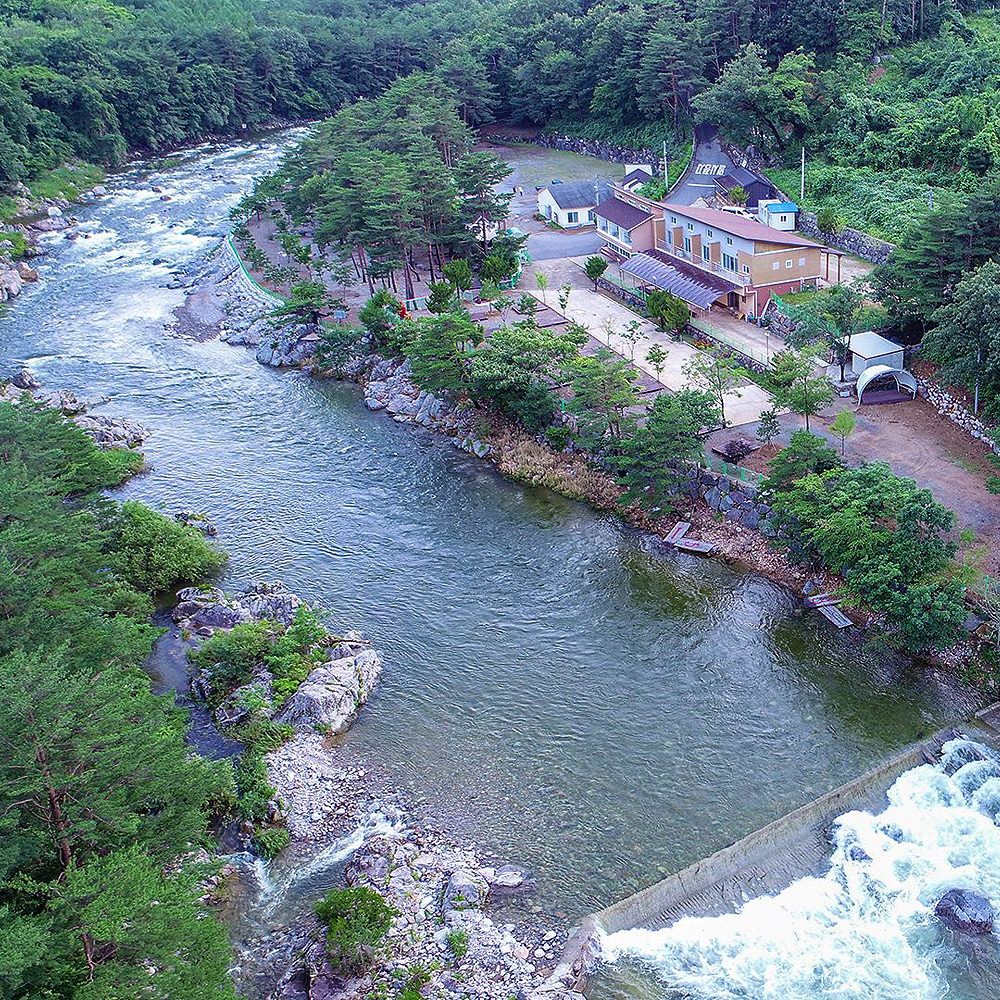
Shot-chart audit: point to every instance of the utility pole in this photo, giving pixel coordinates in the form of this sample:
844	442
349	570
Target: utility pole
979	364
802	178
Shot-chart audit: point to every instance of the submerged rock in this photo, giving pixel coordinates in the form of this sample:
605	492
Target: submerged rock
966	911
195	519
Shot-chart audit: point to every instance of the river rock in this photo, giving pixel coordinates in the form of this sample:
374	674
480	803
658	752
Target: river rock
966	911
11	283
244	700
195	519
333	694
26	379
287	346
510	879
111	432
465	890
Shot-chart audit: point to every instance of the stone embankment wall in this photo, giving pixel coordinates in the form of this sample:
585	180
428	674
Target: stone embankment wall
849	240
956	412
247	287
740	502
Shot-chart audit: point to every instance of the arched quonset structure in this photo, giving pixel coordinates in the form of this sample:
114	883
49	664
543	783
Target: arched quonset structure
869	375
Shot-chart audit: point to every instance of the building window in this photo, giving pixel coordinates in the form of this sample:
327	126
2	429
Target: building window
602	224
729	262
729	241
788	263
710	233
673	218
687	244
691	226
776	265
784	218
627	237
572	216
590	216
706	253
746	268
802	262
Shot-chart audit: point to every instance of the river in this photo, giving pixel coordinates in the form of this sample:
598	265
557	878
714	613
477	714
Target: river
558	688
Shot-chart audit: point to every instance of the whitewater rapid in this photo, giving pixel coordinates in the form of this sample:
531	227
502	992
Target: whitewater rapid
865	930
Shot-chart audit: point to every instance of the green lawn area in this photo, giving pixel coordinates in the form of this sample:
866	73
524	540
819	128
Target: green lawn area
67	181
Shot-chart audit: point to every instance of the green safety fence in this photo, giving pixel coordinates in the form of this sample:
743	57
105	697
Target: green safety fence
715	334
277	299
737	472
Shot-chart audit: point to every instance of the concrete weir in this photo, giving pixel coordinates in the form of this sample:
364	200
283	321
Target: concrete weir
762	863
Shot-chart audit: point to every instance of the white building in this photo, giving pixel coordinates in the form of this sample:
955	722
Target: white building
572	205
777	214
869	350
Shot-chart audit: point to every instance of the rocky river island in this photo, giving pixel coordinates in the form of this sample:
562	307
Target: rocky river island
559	695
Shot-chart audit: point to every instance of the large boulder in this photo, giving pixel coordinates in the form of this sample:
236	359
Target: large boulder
465	890
333	694
967	911
288	346
209	607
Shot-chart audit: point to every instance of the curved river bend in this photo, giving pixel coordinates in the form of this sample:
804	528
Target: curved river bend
557	687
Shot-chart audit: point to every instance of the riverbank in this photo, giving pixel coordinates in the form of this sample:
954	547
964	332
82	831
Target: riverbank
335	809
224	301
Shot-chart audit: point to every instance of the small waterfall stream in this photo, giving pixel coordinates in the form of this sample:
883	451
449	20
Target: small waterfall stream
866	930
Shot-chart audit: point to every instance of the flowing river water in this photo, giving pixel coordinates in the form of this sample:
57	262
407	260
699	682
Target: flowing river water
558	688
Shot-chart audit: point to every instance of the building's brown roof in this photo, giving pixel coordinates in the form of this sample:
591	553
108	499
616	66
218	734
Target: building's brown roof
737	225
621	213
689	282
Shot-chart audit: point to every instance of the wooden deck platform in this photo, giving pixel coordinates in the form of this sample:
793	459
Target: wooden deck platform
676	538
834	615
820	600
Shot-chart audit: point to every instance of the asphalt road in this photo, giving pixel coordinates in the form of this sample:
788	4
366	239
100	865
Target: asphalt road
709	162
549	246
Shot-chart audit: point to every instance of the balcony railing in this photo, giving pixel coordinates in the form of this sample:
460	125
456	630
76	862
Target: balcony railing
706	265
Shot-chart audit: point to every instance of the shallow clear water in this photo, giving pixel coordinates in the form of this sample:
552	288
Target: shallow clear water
556	686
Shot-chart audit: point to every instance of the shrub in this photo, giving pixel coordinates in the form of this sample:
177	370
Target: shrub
736	450
252	787
290	659
805	453
559	436
418	976
458	942
334	348
270	841
13	243
357	921
826	219
230	657
156	552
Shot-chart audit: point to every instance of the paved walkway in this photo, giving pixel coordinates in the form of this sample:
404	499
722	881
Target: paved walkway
595	311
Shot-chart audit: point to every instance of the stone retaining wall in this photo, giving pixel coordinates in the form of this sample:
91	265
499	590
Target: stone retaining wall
948	406
739	502
588	147
851	241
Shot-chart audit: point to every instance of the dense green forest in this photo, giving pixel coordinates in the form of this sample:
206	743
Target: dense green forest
102	805
95	79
